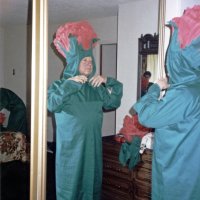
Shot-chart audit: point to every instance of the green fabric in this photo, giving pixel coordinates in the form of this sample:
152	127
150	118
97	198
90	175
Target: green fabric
176	119
129	153
78	114
17	120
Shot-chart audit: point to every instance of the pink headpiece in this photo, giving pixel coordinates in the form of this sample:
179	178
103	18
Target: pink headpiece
188	25
82	30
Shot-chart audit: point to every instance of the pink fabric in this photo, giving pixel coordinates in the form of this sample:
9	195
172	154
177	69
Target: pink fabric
2	118
188	25
132	127
82	30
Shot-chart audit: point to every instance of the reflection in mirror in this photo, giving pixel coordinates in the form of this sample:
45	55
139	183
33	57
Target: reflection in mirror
147	62
15	47
109	31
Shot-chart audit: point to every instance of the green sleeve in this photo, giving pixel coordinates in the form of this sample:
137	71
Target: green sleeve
60	91
111	94
176	105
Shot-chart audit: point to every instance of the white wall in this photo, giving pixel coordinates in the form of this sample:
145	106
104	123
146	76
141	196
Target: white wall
185	4
136	18
1	57
15	57
106	29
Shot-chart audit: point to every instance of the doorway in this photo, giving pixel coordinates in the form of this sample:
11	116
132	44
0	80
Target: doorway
108	68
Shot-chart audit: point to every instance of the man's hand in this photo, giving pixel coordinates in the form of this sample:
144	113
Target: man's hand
79	79
163	83
97	80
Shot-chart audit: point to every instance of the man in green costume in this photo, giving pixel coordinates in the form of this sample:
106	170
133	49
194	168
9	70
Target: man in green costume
176	116
77	100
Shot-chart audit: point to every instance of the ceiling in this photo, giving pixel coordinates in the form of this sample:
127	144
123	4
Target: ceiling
16	11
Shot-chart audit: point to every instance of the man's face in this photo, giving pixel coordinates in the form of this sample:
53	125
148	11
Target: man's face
86	67
147	77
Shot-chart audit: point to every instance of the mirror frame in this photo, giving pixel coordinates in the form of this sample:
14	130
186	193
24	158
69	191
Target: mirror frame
39	66
147	44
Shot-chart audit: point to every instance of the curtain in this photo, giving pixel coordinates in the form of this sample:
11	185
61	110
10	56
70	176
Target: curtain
152	66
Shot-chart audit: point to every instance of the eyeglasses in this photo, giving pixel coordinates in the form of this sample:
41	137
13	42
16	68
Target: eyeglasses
86	63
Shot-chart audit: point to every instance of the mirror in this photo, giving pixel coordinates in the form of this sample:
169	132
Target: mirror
147	62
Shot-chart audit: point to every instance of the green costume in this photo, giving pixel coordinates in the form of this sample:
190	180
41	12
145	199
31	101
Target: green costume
130	153
176	119
78	113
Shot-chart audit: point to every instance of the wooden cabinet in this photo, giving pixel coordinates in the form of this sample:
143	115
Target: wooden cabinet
120	183
142	177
